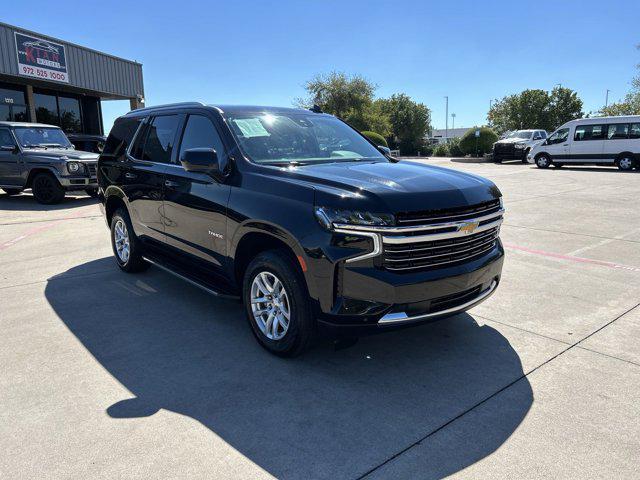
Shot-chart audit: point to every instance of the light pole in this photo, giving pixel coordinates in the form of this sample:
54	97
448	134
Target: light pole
453	121
606	100
446	117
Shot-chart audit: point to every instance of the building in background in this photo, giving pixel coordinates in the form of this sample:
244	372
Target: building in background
442	135
47	80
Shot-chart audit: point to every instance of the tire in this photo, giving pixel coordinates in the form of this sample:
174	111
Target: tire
261	274
524	159
127	248
543	161
12	191
558	165
92	192
497	160
626	163
46	189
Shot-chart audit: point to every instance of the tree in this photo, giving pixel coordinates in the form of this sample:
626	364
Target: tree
535	109
631	103
472	145
376	138
349	98
409	121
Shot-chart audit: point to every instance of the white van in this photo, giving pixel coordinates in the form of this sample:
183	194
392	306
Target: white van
592	141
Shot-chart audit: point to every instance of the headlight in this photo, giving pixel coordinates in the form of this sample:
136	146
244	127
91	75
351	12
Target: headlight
73	167
520	146
330	216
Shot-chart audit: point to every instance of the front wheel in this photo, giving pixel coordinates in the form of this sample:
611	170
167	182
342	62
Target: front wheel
626	163
543	161
46	189
524	159
277	304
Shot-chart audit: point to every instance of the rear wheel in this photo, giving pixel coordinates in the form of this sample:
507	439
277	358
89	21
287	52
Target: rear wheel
543	161
125	244
277	304
626	163
12	191
46	189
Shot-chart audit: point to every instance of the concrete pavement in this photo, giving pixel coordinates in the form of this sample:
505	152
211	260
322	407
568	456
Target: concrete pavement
108	375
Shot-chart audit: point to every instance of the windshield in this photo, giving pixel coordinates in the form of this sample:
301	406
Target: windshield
41	137
521	134
298	138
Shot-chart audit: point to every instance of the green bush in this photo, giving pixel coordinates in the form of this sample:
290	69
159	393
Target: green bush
441	150
375	138
454	148
483	144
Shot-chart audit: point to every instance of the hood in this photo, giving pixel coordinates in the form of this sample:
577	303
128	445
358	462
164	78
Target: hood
393	187
58	154
513	140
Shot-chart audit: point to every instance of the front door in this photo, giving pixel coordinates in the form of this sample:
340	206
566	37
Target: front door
557	145
588	144
144	174
195	205
11	165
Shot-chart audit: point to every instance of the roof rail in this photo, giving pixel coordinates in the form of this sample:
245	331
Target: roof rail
168	105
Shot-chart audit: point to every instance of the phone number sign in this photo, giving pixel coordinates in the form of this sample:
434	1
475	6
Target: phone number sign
41	58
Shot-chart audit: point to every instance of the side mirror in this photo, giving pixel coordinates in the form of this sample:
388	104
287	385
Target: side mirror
384	150
202	160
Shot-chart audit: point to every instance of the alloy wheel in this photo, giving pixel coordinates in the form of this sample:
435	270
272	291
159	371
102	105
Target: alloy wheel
625	163
121	240
270	305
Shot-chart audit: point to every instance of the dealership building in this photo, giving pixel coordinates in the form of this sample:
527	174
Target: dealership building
48	80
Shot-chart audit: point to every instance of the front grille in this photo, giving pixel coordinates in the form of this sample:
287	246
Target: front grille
92	169
441	238
448	215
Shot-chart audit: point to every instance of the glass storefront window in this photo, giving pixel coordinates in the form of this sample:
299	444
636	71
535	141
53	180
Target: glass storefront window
70	114
12	96
5	113
46	109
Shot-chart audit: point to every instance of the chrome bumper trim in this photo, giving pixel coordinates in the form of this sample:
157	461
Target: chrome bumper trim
396	239
402	317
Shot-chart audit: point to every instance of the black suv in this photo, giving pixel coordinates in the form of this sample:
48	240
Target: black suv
312	225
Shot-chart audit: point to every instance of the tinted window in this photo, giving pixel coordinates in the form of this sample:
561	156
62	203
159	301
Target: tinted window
160	137
634	131
6	138
618	131
46	108
589	132
70	114
41	137
559	137
121	135
201	133
12	96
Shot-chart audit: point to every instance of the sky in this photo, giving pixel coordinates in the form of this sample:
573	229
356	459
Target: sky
259	52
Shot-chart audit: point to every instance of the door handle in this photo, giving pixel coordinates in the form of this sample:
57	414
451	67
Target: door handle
565	144
170	183
130	175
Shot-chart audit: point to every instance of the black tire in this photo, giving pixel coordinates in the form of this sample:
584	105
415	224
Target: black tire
12	191
558	165
301	327
497	159
543	161
524	159
626	163
134	262
46	189
92	192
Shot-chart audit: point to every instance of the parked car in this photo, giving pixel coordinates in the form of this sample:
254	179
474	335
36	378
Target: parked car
592	141
312	225
517	144
40	157
87	143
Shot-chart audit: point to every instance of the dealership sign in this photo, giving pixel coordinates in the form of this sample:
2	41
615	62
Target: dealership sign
40	58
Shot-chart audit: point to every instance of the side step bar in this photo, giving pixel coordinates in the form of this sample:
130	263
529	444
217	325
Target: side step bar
193	281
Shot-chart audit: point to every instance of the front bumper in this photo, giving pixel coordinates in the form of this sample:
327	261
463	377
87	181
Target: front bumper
370	299
80	183
509	153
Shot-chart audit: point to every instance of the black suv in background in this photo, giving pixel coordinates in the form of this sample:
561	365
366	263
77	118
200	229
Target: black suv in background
313	226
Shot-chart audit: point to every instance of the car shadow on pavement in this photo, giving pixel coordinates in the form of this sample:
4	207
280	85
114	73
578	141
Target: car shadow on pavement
26	202
327	414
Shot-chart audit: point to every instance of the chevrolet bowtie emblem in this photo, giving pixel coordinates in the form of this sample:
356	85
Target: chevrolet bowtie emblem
468	227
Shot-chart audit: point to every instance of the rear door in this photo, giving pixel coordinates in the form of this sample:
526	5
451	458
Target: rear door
588	143
195	205
143	183
10	160
617	140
